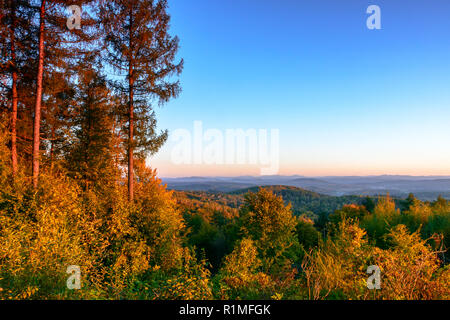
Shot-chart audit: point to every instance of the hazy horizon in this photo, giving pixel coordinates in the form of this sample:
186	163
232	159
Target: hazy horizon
306	176
423	187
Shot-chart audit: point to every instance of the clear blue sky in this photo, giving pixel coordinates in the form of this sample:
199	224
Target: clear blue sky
347	100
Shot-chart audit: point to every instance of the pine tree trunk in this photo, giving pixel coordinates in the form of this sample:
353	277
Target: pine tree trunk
131	117
37	107
130	139
13	126
14	95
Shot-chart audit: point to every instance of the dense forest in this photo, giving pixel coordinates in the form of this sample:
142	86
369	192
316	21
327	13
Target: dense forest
309	203
75	188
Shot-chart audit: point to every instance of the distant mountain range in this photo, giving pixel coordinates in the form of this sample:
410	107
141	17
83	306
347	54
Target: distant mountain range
423	187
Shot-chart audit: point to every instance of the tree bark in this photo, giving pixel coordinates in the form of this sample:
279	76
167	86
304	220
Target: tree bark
37	107
131	116
130	144
14	94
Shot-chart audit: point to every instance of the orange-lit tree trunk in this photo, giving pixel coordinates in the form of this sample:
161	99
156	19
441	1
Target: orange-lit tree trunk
14	94
37	107
131	118
130	143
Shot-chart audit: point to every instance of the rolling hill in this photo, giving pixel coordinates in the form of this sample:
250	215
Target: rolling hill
303	201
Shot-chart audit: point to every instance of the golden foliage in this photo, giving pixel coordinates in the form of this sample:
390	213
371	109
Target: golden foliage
410	268
240	278
113	242
337	266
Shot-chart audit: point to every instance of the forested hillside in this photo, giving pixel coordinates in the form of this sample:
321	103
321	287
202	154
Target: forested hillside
303	202
307	202
377	229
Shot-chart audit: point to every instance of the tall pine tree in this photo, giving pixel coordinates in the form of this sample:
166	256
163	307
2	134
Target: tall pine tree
90	156
140	48
16	48
58	47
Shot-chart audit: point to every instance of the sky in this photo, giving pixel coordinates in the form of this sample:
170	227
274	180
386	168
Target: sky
345	100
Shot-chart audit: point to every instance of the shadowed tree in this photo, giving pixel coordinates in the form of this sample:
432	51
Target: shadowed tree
90	156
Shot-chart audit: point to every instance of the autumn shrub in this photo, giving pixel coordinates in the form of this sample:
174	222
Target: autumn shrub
115	243
410	268
191	281
241	276
336	270
41	234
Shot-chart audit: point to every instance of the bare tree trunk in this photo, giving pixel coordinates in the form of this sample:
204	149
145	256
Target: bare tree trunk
130	155
37	107
131	118
130	139
13	126
14	94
